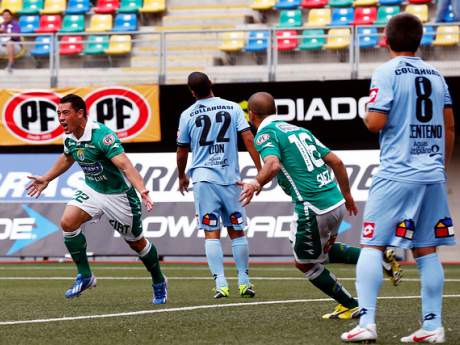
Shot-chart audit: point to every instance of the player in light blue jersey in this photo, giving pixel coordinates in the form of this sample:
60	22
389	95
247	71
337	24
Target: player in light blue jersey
210	128
411	108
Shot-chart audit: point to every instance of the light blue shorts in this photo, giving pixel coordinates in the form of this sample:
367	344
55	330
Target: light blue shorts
215	203
407	215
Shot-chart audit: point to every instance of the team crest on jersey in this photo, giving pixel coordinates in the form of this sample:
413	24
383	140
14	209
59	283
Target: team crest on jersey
368	229
444	228
209	219
236	218
406	229
262	138
109	139
373	93
81	154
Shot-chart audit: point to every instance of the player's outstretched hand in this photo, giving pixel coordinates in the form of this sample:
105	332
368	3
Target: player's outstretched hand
247	193
148	203
183	184
37	185
350	205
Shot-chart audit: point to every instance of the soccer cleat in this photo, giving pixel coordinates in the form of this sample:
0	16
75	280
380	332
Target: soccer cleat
80	284
160	292
221	292
422	336
391	266
247	290
359	334
343	313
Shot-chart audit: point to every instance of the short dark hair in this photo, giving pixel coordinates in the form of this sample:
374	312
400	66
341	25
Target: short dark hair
76	101
7	11
404	33
200	84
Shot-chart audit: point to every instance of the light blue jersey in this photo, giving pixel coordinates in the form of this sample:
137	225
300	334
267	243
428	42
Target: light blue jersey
413	94
210	128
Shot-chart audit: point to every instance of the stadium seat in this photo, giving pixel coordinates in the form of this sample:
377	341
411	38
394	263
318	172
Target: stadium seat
384	13
119	45
100	23
290	19
312	39
78	7
130	6
13	5
28	24
390	2
125	22
153	6
368	37
286	40
96	45
263	5
41	47
338	39
419	1
50	23
287	4
447	35
365	16
257	41
449	15
31	7
428	36
73	23
314	3
342	16
106	6
383	41
340	3
358	3
71	45
421	11
54	7
232	41
319	17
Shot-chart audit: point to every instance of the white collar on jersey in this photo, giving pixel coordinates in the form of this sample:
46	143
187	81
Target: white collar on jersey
269	119
90	125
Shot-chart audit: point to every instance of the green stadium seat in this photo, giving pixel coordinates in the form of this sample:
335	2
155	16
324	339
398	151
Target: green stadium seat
384	13
31	7
312	39
290	19
96	45
341	3
73	23
130	6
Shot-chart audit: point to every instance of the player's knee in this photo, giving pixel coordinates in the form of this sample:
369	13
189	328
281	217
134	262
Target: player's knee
311	271
68	225
139	245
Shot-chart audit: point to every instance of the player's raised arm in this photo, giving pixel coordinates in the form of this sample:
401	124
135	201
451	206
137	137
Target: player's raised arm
39	183
122	162
449	124
248	140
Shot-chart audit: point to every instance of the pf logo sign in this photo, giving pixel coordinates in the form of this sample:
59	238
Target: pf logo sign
31	116
121	109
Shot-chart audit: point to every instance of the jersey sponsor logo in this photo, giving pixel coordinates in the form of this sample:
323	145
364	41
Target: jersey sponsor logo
368	229
405	229
81	154
119	227
121	109
423	148
373	93
287	127
108	140
31	117
444	228
91	169
262	138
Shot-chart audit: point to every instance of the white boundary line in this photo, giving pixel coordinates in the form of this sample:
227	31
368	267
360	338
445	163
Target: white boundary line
197	307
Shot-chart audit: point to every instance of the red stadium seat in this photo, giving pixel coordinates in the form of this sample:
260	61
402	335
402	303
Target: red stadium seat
314	3
365	15
49	23
107	6
71	45
420	1
287	40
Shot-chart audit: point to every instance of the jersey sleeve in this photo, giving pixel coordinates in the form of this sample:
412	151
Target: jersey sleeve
66	149
267	144
321	148
241	124
447	97
183	134
110	145
381	92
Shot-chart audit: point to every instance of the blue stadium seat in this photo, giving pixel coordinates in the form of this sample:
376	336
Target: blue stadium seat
125	22
287	4
449	15
41	47
390	2
78	7
342	16
28	24
368	37
257	41
428	36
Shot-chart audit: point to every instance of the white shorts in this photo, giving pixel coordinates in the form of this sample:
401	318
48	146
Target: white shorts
123	210
17	49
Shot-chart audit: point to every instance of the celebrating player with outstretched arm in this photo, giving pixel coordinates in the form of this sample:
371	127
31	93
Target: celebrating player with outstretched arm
110	188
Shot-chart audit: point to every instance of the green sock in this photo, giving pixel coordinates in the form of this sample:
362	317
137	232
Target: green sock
328	283
342	254
151	262
76	245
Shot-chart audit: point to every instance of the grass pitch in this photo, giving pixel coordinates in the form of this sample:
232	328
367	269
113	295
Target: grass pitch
286	310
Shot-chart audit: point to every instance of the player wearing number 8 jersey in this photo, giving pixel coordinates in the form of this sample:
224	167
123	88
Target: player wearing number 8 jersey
411	109
210	129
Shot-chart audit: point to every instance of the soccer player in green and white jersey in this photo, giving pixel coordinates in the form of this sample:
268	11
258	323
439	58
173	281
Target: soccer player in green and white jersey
300	162
110	188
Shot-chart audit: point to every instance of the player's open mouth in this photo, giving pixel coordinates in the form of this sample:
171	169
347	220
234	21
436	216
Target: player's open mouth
64	125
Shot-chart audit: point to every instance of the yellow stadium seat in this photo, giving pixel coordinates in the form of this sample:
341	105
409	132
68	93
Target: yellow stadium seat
365	3
338	39
153	6
13	5
263	5
100	22
119	45
447	35
54	7
232	41
420	11
319	17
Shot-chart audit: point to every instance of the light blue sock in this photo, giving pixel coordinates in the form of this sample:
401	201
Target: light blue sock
432	285
369	277
215	257
240	252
